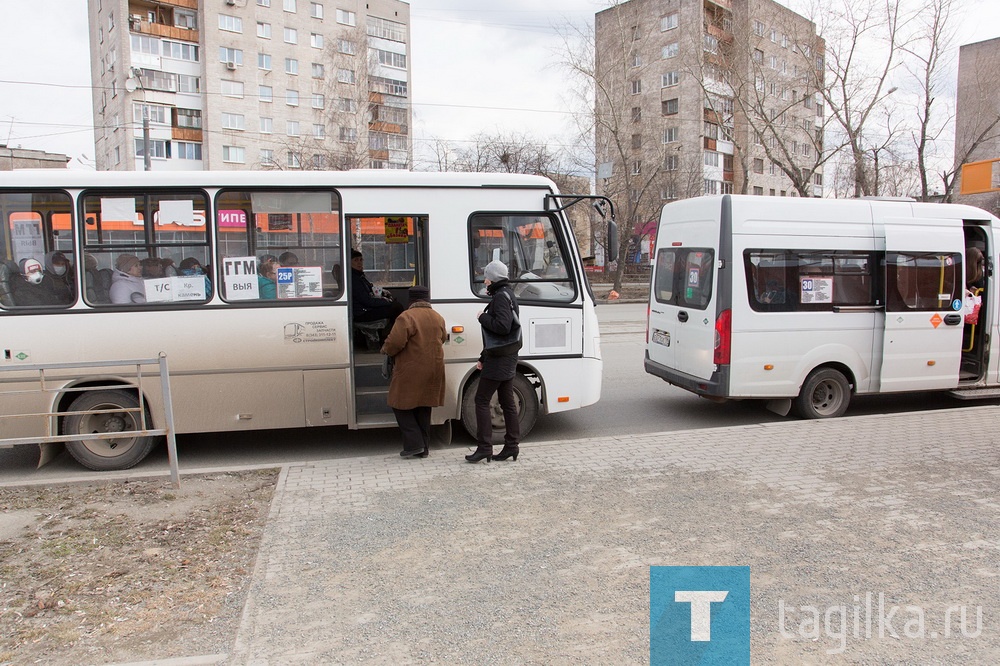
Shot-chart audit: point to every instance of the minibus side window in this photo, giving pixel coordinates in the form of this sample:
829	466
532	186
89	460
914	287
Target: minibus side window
36	226
663	278
808	280
922	281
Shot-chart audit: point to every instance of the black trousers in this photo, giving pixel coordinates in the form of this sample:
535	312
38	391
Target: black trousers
484	420
415	426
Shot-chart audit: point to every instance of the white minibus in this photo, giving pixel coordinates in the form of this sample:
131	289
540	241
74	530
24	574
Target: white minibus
806	302
244	281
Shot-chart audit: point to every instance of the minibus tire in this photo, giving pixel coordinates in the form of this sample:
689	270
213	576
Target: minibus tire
825	395
103	454
527	408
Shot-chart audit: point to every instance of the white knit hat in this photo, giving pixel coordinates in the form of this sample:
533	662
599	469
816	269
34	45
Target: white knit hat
495	271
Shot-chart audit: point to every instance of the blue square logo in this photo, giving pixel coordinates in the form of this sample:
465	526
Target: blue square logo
699	615
286	276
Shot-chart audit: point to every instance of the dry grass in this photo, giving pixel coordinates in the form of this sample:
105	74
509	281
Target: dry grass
127	571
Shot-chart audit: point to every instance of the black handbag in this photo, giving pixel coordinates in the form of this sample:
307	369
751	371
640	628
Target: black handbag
498	344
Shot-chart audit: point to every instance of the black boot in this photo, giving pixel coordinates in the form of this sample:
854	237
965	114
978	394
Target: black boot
482	451
509	451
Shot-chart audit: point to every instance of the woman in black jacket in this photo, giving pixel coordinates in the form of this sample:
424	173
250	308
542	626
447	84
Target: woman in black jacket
497	366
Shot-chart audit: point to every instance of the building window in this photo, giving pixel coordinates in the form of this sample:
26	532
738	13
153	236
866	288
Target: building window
316	10
319	131
318	70
712	159
389	59
185	150
292	128
230	23
346	76
289	6
348	134
347	105
180	51
758	28
318	101
758	165
292	97
710	44
293	161
636	141
266	157
670	135
818	179
316	40
711	186
758	56
235	154
233	121
291	66
266	125
265	93
228	55
636	167
759	192
346	18
670	79
158	149
188	84
671	50
231	88
188	118
668	22
636	86
264	61
291	36
636	114
263	3
346	47
670	106
636	60
263	30
671	163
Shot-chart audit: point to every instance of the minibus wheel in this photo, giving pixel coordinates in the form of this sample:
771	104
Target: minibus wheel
524	397
107	454
825	394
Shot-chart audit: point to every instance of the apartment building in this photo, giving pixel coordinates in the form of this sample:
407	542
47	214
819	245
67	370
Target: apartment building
707	97
251	84
977	117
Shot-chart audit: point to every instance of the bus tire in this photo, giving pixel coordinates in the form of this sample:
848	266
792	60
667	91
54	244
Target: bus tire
527	408
825	394
106	454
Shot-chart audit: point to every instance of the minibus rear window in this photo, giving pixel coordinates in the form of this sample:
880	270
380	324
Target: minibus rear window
684	277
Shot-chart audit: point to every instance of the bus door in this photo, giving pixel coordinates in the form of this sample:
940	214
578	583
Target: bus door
924	285
394	255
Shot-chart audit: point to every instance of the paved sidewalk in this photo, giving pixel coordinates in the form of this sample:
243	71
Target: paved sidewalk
546	560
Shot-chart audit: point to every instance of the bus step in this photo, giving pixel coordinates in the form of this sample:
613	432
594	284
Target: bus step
372	401
975	394
369	376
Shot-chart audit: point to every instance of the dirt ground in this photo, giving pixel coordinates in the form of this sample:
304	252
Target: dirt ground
127	571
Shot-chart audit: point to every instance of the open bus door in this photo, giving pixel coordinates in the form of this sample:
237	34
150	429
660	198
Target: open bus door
394	252
924	285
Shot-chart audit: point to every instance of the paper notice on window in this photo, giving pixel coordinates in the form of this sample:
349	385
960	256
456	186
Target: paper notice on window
816	290
300	282
118	210
188	287
176	212
158	290
239	276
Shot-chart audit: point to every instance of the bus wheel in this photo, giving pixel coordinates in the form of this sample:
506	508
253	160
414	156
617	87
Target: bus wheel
106	454
825	394
524	397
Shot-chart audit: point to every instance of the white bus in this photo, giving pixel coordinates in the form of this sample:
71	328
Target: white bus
245	354
806	302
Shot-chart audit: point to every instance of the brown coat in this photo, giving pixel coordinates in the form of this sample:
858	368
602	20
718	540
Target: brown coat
416	345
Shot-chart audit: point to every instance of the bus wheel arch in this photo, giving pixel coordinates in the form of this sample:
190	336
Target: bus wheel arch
825	393
525	396
106	454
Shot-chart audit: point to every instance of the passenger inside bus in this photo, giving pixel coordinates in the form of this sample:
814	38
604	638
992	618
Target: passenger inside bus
288	259
372	305
191	266
267	276
59	275
98	280
126	282
31	288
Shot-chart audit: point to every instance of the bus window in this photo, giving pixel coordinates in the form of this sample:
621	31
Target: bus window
534	253
137	240
922	281
684	277
278	244
36	227
807	280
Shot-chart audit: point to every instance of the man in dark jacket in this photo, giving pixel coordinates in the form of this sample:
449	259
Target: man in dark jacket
369	305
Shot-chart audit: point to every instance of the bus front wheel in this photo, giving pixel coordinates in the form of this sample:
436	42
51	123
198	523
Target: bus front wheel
107	454
825	394
524	397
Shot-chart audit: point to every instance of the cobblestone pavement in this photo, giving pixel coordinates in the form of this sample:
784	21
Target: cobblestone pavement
546	560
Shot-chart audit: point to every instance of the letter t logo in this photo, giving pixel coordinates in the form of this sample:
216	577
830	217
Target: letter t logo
701	611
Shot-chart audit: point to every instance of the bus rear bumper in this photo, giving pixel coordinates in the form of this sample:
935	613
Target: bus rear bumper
714	387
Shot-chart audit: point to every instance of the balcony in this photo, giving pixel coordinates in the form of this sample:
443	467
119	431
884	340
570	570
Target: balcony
718	32
144	27
723	4
186	134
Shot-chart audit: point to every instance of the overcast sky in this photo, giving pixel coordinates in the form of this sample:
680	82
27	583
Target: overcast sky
476	67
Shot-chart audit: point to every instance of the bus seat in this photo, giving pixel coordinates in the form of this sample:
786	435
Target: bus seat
99	285
371	331
8	271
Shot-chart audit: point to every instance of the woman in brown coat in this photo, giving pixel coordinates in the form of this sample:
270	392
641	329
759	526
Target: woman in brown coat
416	343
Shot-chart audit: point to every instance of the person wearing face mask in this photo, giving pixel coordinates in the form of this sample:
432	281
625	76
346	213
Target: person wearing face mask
58	276
191	266
30	289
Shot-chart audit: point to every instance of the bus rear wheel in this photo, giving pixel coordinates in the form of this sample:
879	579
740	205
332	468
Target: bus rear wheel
107	454
825	394
524	397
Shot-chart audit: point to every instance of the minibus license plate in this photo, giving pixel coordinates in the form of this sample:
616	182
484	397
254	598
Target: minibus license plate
661	338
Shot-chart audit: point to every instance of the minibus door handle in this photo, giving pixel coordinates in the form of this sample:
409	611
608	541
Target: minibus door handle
953	319
682	316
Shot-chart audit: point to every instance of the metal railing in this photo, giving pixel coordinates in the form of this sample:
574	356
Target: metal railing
52	418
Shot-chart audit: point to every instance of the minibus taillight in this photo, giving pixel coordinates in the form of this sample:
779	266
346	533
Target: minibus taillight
723	337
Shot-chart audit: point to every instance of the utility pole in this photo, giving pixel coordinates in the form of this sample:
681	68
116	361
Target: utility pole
131	83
